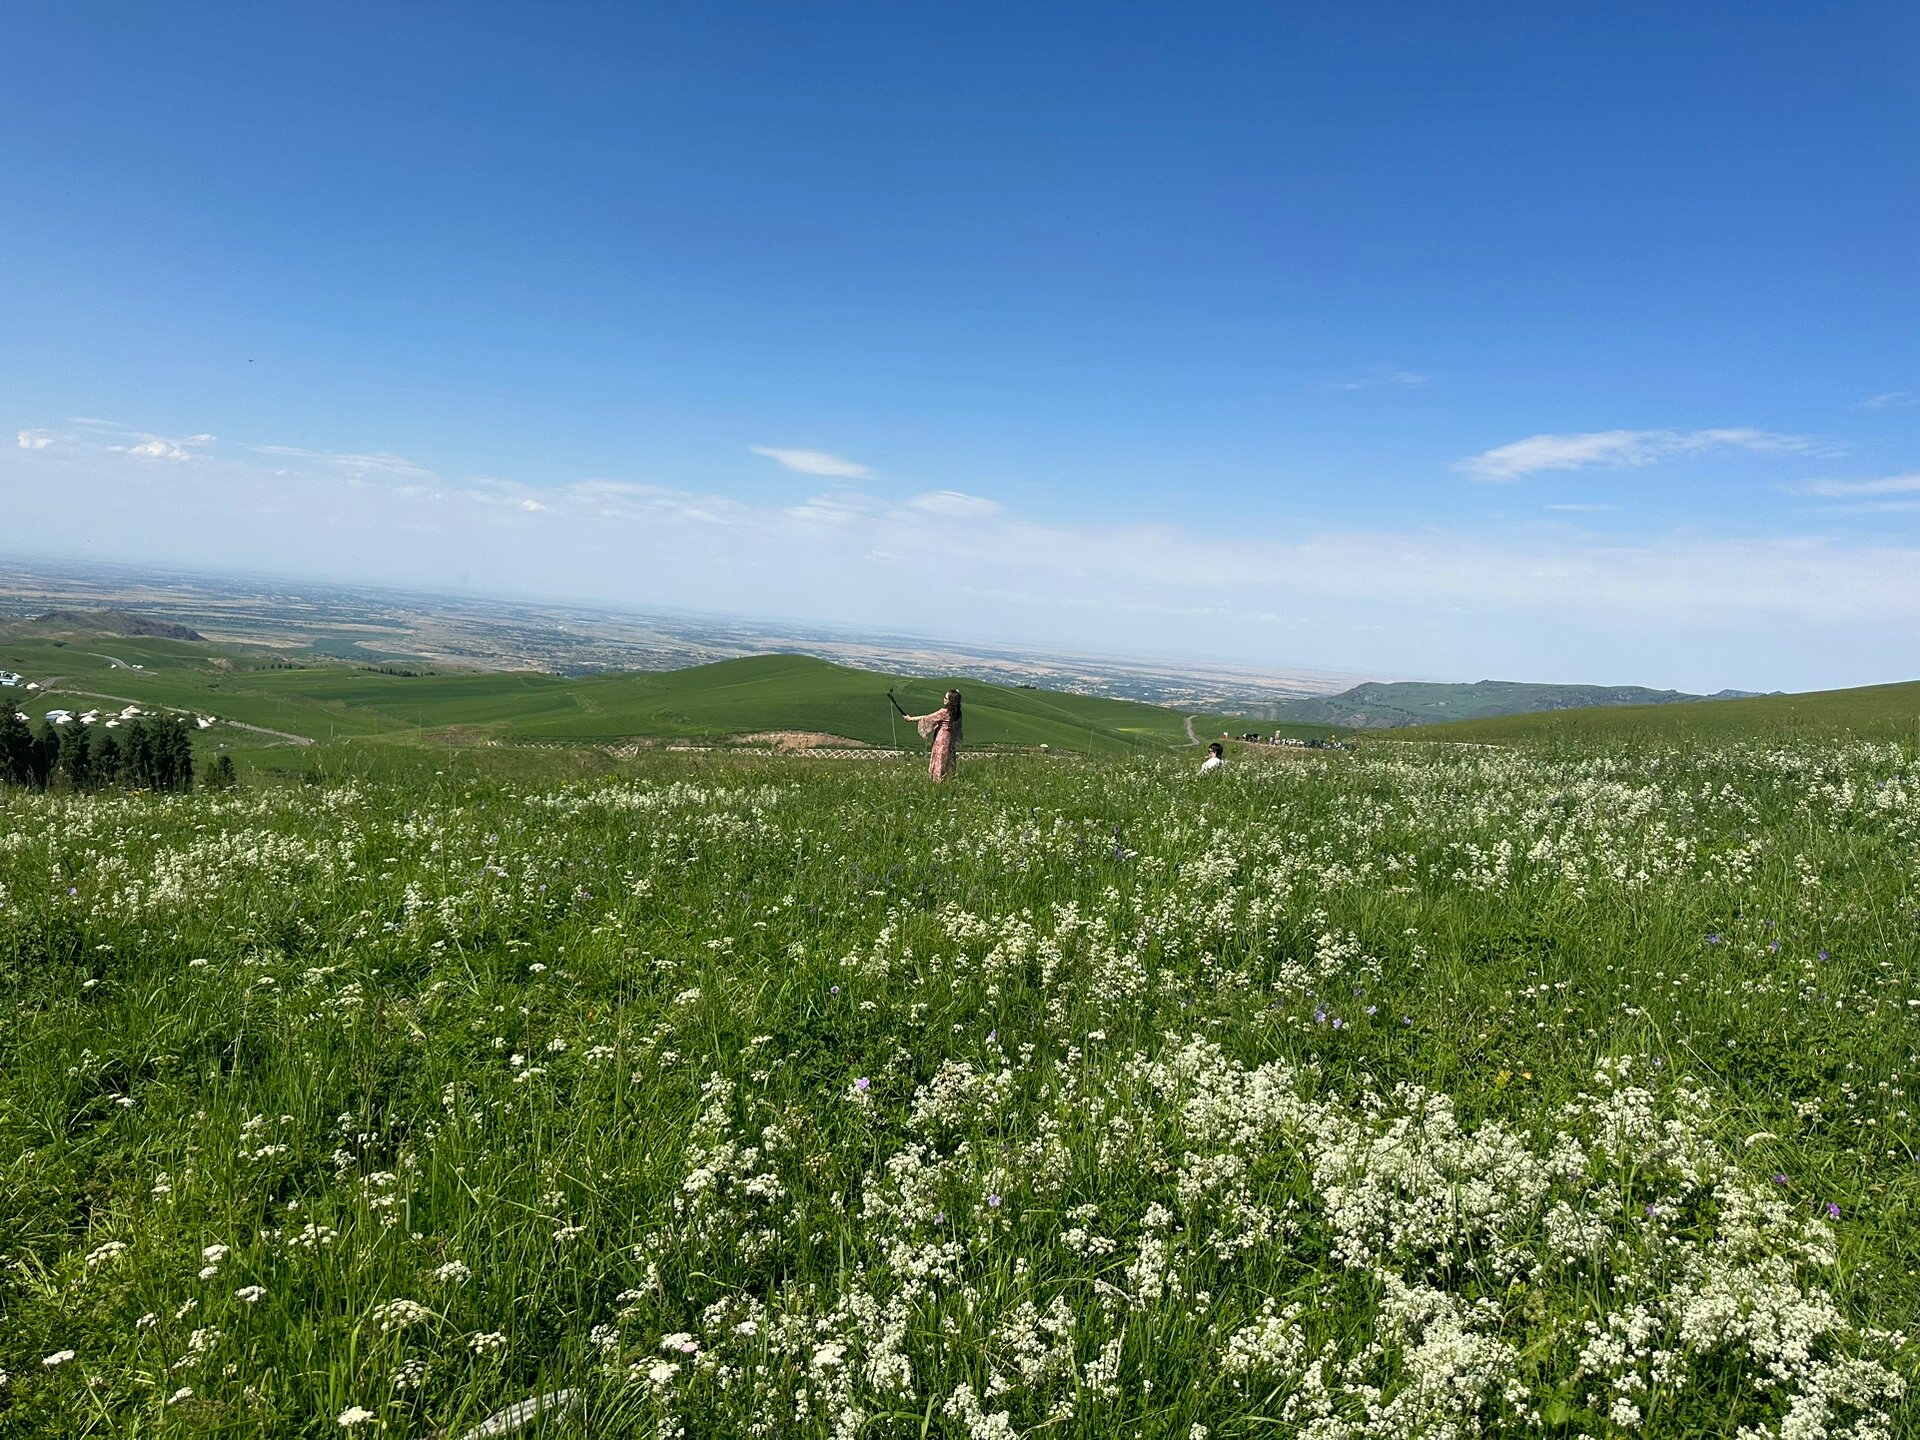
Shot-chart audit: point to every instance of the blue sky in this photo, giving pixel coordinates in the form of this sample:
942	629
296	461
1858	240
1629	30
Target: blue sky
1544	342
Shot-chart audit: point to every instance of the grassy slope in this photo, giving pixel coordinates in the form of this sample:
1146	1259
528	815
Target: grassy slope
768	692
1873	711
1386	705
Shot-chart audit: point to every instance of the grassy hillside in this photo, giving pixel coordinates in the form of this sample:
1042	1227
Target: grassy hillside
323	701
1889	712
1388	705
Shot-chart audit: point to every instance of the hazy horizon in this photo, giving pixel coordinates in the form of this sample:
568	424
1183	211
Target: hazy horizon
796	629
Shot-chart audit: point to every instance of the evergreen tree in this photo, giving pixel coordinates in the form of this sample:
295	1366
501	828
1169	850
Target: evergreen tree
16	747
45	756
107	760
76	756
220	774
136	763
177	747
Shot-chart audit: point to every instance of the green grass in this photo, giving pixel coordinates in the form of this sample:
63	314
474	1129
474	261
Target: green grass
733	1092
1869	712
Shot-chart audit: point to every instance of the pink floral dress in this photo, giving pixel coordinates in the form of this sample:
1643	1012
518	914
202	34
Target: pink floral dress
943	729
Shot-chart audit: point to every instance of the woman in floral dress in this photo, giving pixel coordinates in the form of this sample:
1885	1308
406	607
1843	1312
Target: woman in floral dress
942	727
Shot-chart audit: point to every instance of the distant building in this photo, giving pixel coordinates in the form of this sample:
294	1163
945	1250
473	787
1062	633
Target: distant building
8	678
59	717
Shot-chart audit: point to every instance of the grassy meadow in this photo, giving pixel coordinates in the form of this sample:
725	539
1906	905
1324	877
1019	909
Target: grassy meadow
1421	1090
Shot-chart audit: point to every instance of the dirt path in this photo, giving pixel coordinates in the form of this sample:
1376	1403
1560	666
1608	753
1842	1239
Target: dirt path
286	735
1192	739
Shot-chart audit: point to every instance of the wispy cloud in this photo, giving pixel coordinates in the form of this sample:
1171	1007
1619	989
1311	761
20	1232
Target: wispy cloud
815	462
1584	509
1852	489
1379	376
378	463
137	443
842	508
1618	449
1890	400
35	439
956	505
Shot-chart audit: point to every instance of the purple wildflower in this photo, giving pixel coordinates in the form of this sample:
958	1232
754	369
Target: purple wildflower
863	1084
1833	1211
1779	1179
993	1202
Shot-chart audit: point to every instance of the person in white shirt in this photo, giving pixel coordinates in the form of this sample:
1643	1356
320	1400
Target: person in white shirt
1215	758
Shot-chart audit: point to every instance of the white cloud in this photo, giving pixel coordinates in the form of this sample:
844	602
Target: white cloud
1891	400
156	449
1847	489
815	462
35	439
1381	375
954	503
1584	509
1617	449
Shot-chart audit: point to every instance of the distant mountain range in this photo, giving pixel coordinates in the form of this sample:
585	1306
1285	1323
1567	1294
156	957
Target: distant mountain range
112	622
1389	705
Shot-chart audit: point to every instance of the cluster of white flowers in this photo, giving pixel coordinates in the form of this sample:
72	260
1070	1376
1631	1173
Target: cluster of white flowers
394	1315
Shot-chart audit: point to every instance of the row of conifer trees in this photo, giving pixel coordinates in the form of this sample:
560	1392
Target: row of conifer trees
145	754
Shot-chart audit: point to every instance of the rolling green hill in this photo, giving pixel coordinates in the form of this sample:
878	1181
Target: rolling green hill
1889	712
1379	705
323	700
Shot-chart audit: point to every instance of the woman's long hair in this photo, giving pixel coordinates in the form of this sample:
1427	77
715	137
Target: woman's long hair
953	715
